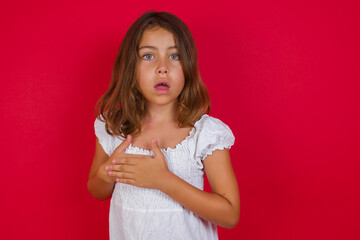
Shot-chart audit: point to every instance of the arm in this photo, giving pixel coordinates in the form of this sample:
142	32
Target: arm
222	206
100	183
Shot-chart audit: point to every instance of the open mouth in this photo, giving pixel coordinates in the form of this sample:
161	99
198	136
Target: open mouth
162	85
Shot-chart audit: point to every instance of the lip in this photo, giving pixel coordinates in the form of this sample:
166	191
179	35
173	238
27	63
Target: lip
165	81
162	89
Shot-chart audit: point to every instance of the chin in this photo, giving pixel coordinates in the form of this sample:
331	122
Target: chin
163	102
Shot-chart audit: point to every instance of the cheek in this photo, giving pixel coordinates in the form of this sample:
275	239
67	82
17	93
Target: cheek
182	77
140	78
178	71
181	82
142	73
144	66
140	70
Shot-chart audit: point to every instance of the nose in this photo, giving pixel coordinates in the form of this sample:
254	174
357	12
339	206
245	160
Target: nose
162	70
162	67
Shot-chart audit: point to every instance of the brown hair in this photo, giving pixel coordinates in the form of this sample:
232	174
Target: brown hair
123	106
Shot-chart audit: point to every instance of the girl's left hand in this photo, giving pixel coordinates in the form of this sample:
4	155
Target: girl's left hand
141	170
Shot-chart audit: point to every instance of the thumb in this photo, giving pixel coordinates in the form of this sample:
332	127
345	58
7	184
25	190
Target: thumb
155	147
122	147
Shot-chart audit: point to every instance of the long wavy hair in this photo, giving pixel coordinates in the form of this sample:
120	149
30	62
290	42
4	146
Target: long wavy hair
122	107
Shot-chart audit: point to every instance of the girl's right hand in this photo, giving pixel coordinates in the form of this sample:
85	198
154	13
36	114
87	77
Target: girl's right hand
103	171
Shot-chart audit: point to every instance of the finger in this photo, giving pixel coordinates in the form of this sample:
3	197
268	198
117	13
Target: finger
121	160
155	147
126	181
122	168
121	175
122	147
126	160
130	155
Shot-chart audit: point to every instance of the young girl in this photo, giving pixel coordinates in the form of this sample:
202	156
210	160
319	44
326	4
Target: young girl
155	140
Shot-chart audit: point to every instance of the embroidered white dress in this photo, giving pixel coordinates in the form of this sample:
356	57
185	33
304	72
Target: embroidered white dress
146	214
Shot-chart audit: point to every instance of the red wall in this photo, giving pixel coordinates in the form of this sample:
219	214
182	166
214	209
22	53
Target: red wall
284	75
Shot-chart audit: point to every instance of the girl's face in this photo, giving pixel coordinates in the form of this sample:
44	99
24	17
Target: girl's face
160	75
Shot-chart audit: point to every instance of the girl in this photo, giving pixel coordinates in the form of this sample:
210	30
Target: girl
155	141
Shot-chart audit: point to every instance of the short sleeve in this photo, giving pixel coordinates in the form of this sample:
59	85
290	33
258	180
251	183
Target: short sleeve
213	135
105	140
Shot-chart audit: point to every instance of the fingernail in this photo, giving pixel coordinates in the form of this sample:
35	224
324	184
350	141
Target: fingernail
107	167
154	141
110	173
114	161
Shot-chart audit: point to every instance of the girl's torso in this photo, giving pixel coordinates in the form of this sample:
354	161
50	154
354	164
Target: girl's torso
141	213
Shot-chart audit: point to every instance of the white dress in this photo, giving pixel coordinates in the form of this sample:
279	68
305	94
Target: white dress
145	214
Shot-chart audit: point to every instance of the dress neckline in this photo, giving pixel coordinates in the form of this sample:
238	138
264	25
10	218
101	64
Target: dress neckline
168	149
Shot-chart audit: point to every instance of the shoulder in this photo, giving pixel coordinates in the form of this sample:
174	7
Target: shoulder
100	128
212	134
107	141
211	124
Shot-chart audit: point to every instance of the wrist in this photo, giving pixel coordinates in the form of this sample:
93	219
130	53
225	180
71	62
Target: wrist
103	176
166	182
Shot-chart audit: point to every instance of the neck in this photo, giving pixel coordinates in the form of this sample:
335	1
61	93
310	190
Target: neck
157	114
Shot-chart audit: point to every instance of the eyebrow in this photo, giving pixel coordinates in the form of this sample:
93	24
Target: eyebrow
152	47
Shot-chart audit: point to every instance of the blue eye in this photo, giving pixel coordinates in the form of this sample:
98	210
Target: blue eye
147	56
175	56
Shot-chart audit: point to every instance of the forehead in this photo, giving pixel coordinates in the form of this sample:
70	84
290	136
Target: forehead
158	37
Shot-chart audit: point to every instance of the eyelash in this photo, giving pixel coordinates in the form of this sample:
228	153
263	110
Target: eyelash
148	54
178	57
144	56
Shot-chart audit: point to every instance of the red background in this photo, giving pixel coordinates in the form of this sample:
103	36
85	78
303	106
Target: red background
284	75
